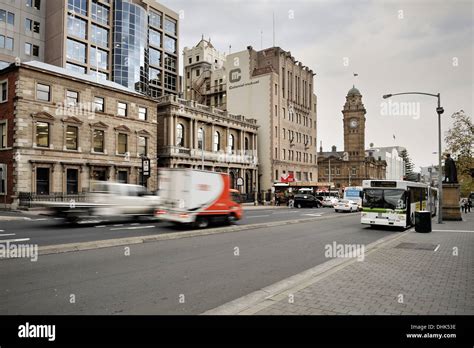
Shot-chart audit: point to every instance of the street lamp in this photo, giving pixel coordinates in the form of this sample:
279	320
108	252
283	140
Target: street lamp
439	111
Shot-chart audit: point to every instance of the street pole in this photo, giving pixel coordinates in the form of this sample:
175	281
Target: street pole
439	111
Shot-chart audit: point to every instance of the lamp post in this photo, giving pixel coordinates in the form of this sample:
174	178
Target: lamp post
439	111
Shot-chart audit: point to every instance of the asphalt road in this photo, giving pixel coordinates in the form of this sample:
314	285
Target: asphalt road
45	230
181	276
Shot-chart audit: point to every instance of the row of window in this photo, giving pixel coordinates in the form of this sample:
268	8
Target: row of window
305	176
43	139
299	91
300	137
6	42
337	171
7	17
43	93
300	156
296	117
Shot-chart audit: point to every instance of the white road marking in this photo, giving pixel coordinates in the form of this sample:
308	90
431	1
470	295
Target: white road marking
42	219
6	234
437	247
117	225
100	226
58	218
2	230
312	214
14	240
131	228
467	231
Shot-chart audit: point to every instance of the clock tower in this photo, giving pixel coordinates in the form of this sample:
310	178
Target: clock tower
354	125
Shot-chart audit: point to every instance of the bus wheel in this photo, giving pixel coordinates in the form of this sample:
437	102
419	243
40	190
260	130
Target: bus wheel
201	222
231	219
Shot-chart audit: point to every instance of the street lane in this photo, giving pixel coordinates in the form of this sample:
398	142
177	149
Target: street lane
203	271
51	231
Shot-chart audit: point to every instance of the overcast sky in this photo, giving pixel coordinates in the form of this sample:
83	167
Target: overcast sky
394	46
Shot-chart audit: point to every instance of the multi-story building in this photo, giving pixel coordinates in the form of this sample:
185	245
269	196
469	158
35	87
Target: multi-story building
273	87
61	129
131	42
204	75
197	136
351	166
395	169
22	30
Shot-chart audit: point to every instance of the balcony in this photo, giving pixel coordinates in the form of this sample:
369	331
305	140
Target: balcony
236	157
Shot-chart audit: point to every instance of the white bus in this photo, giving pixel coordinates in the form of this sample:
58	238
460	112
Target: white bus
394	202
354	193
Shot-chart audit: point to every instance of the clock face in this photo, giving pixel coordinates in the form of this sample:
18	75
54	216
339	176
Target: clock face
353	123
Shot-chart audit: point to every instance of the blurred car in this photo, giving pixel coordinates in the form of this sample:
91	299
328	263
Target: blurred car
329	202
346	205
306	200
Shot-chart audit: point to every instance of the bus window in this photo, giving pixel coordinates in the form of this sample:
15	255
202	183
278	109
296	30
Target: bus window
394	199
373	199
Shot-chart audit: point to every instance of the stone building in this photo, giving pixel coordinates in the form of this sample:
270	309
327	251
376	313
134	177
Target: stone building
62	129
273	87
204	75
197	136
351	166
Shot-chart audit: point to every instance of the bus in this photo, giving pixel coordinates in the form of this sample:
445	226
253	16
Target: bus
394	202
354	193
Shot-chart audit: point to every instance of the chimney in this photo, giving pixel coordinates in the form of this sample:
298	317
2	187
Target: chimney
334	148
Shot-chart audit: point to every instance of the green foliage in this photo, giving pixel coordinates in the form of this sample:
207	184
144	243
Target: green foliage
410	175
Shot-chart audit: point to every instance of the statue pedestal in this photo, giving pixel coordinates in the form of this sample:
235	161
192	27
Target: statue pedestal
451	197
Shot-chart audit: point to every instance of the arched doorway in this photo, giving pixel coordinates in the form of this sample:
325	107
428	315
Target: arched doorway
232	180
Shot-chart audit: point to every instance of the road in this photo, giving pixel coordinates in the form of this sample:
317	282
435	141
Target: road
180	276
45	230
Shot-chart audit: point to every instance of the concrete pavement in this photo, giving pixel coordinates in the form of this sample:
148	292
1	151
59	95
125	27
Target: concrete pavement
414	273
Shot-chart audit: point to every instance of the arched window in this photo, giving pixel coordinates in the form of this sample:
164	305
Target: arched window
246	143
217	141
231	142
200	139
179	135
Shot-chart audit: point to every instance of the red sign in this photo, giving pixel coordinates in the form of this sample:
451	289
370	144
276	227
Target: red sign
287	178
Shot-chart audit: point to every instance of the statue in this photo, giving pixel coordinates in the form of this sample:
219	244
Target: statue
450	172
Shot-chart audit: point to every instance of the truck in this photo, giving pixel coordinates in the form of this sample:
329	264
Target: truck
196	197
106	199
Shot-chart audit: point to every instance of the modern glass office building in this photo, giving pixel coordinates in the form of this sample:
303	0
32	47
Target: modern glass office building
131	42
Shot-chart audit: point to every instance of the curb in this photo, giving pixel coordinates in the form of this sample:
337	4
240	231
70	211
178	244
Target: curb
267	296
64	248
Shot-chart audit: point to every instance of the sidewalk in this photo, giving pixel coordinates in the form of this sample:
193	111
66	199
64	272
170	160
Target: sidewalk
393	278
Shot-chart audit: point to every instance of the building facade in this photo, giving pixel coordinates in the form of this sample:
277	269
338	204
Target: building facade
192	135
131	42
351	166
61	130
205	75
395	169
272	87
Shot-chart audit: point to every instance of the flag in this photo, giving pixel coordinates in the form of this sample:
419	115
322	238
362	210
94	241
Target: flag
394	137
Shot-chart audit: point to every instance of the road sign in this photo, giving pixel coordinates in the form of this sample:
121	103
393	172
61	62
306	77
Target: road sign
240	181
146	167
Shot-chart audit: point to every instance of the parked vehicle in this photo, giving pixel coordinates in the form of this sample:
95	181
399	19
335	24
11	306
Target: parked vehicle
306	200
354	193
196	197
346	205
106	200
329	201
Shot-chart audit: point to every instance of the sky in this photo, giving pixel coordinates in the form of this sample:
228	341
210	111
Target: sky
393	46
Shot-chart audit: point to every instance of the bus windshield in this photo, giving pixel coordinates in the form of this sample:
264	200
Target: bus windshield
388	199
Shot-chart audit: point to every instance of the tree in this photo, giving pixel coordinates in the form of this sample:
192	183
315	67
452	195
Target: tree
460	144
410	175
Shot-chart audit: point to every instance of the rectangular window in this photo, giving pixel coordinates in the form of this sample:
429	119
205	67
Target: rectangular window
99	36
42	134
98	140
154	76
76	68
122	109
100	13
3	16
3	178
170	26
170	62
43	92
3	135
11	18
122	176
79	6
99	58
4	91
154	38
71	137
170	81
72	181
142	146
155	57
76	51
42	181
122	147
99	104
155	19
9	43
36	27
142	113
76	27
99	75
170	44
35	51
72	98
